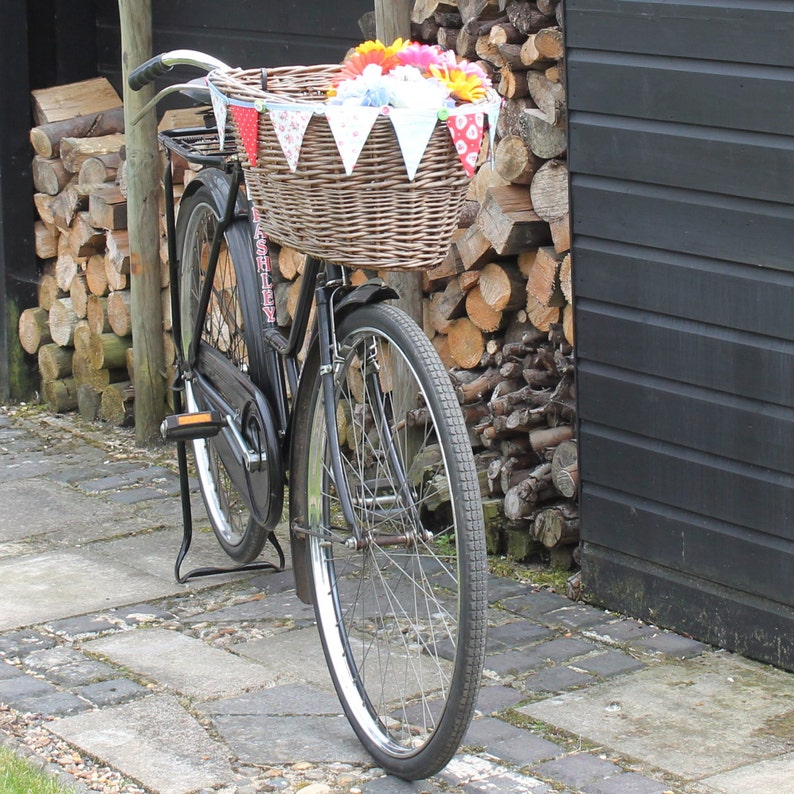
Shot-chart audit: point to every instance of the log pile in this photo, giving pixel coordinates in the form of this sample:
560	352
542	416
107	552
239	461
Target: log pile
80	331
499	309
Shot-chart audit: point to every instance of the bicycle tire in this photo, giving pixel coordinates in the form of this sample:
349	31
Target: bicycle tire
403	627
231	326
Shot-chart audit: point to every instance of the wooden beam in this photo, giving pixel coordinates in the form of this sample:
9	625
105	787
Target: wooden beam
143	160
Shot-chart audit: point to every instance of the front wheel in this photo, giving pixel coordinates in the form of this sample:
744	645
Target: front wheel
402	613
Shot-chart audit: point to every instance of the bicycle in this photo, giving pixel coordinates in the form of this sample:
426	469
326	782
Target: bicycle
385	519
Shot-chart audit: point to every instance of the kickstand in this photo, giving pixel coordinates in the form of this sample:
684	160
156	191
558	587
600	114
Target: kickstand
187	533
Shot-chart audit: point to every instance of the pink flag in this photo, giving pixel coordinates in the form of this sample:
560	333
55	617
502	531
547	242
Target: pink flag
466	131
290	127
247	121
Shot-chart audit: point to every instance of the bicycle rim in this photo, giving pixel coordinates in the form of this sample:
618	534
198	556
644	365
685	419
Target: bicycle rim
241	537
403	618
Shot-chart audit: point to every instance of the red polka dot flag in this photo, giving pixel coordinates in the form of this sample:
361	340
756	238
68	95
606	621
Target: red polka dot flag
247	121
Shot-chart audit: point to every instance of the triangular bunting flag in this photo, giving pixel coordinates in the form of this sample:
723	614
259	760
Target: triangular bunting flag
413	129
466	130
219	109
493	120
290	127
247	121
351	128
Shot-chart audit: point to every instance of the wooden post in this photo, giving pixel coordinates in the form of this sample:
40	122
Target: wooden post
135	17
393	21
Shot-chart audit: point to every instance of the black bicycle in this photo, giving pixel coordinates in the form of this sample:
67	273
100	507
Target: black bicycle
385	518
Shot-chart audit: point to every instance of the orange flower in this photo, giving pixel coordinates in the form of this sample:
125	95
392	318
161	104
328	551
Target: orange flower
462	85
368	53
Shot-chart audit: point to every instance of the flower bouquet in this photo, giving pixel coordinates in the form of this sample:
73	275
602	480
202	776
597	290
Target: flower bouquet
364	163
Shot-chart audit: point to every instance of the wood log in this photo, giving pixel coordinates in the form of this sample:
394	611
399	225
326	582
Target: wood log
43	204
60	395
520	500
116	281
483	181
474	248
107	209
560	229
75	151
548	96
513	84
116	406
565	275
540	315
291	262
78	292
477	9
82	338
544	438
108	351
488	51
88	401
118	312
502	286
95	278
46	139
514	161
100	168
67	267
526	17
118	250
55	362
49	175
46	240
62	102
466	343
541	136
550	43
509	221
565	458
549	191
34	329
530	56
510	116
48	290
481	313
557	526
446	306
505	33
543	283
567	324
62	322
96	315
84	239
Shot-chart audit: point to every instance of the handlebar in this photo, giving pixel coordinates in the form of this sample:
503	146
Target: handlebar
161	64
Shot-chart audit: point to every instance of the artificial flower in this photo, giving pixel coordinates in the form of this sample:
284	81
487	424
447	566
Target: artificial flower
463	85
420	55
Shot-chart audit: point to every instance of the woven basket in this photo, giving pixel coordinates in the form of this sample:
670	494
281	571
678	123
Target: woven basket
375	218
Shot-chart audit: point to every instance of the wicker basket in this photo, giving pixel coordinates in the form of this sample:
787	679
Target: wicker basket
375	218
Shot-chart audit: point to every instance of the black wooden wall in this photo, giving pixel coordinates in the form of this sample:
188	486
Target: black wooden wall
681	134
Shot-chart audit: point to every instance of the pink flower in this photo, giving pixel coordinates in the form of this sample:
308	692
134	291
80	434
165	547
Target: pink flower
420	55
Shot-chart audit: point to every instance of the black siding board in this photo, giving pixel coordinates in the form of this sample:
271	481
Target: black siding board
705	290
732	32
704	224
707	485
715	550
758	368
751	626
739	429
696	92
685	156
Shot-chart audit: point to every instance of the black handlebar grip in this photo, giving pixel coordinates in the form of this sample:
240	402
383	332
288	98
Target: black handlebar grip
147	72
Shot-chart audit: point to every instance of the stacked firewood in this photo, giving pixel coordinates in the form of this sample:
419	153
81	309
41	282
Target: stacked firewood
499	309
81	330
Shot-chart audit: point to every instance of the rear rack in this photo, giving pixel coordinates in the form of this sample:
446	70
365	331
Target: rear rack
200	145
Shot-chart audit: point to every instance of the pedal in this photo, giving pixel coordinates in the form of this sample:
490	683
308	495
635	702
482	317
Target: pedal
190	427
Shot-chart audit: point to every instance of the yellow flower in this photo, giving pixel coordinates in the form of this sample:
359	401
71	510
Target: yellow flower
461	85
388	52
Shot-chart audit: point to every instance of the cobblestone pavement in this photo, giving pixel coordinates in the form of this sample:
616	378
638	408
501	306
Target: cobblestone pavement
142	685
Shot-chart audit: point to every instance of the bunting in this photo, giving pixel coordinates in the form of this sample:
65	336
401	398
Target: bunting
219	109
247	120
466	130
413	129
290	127
351	128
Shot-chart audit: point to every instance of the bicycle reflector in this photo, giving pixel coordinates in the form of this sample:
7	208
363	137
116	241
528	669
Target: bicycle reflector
189	427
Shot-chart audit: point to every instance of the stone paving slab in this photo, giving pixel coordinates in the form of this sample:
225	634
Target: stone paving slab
695	719
775	776
27	585
182	663
154	740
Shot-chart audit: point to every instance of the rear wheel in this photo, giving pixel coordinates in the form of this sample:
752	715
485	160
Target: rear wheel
402	615
227	326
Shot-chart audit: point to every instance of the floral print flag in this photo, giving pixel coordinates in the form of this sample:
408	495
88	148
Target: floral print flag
351	127
290	127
